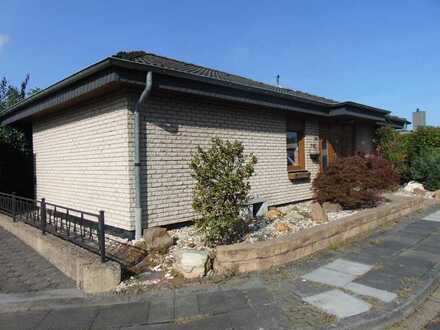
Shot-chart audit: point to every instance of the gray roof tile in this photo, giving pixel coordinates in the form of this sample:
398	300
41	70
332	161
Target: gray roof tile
196	70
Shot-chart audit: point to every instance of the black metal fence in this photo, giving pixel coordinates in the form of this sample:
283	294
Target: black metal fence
81	228
84	229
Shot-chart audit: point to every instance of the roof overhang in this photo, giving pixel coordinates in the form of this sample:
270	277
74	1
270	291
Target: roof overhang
111	73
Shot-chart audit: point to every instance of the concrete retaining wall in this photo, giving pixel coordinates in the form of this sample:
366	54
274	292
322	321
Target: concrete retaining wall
247	257
84	267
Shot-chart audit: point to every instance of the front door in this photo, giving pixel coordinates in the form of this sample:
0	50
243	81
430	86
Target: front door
326	146
336	140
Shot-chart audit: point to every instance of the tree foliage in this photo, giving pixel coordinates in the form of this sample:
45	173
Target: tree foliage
394	147
9	96
130	55
425	168
414	154
222	176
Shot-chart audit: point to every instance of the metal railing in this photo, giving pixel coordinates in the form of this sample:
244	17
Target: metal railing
81	228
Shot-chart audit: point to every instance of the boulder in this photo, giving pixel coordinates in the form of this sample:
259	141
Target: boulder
331	207
191	263
318	214
413	186
437	195
282	227
420	192
157	239
273	214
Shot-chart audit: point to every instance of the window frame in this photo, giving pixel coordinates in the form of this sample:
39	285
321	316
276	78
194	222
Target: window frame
297	127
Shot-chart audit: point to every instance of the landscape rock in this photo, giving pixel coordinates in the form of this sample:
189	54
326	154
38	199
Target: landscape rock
331	207
437	195
274	214
282	227
191	263
420	192
318	214
149	276
413	186
157	239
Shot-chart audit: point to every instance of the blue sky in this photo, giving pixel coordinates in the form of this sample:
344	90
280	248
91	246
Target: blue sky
381	53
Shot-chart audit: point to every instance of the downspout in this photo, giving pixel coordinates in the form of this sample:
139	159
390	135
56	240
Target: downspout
137	154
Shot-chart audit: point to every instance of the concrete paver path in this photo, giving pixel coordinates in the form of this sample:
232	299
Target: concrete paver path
22	270
345	287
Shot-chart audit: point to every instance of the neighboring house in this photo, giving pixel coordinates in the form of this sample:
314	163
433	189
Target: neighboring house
85	136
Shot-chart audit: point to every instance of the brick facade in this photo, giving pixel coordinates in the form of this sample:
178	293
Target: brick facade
84	155
176	125
82	159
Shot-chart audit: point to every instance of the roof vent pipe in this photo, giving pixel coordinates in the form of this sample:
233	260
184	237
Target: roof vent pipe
137	154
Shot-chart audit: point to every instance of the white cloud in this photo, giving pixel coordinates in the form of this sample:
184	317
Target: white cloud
3	40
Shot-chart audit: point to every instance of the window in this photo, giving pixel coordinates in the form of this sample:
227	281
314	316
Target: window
295	147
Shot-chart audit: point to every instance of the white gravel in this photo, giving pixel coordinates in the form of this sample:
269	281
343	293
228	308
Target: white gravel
296	217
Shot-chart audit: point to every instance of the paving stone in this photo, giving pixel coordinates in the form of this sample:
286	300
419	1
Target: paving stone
214	322
427	248
264	317
349	267
371	259
120	315
381	280
434	258
305	288
417	229
258	297
431	225
166	326
22	320
412	262
221	302
161	310
338	303
77	318
186	306
384	249
433	217
395	245
24	270
329	277
364	290
410	239
433	241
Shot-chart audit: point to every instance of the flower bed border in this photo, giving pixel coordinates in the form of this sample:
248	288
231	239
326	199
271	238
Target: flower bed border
247	257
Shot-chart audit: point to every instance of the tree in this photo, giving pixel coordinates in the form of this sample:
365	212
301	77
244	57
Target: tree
9	96
130	55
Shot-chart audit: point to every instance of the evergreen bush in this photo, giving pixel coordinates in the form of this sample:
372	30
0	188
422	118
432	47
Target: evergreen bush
221	190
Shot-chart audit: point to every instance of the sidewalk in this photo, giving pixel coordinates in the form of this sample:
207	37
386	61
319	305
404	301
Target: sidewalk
367	284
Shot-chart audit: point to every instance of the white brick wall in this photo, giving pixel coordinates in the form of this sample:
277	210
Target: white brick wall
82	158
84	155
175	125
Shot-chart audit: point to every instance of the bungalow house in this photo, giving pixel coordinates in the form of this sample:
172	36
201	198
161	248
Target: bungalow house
119	134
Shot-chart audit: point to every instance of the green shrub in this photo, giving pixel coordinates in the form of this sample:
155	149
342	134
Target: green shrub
425	168
394	147
355	182
222	176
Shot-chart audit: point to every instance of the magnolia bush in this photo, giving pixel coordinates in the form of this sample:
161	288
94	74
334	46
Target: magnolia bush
221	191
